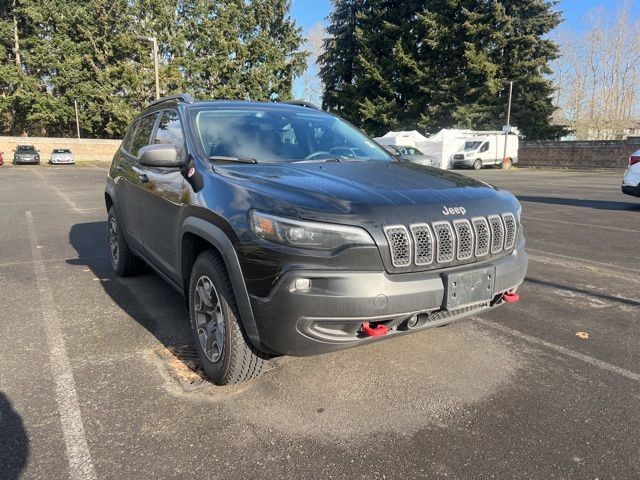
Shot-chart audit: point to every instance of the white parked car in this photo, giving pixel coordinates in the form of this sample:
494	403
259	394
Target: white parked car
61	155
631	180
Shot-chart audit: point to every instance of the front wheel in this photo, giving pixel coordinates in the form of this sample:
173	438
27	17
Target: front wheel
225	354
477	165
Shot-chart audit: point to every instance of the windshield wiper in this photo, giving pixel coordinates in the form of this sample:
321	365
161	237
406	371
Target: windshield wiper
220	158
320	160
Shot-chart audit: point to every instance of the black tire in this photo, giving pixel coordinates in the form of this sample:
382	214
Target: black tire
236	360
477	165
124	262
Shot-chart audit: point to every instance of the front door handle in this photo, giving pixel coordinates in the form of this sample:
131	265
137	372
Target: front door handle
143	177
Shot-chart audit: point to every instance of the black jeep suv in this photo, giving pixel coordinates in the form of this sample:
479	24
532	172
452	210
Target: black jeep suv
283	246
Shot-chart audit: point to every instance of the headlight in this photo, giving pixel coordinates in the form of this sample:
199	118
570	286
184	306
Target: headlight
469	154
321	236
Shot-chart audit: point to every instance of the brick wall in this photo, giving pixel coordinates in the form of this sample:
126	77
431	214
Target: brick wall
583	154
83	149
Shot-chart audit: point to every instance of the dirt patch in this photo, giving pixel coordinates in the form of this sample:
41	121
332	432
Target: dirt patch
182	364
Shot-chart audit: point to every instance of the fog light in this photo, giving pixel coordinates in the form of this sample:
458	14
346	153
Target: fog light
302	284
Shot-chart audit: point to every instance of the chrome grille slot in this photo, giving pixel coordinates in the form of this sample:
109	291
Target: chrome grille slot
483	236
423	242
464	233
399	245
459	241
497	233
446	242
511	228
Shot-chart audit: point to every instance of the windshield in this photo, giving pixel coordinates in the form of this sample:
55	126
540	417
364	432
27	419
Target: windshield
468	146
275	135
61	150
25	148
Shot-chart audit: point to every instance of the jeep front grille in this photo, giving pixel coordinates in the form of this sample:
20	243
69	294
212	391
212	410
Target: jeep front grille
497	234
444	242
465	239
424	242
510	230
399	244
483	236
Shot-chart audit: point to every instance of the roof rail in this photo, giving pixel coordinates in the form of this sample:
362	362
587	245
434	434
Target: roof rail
302	103
183	97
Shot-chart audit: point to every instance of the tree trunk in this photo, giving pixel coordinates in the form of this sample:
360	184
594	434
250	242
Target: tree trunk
16	38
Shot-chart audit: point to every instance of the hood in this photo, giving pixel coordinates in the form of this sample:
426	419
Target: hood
371	192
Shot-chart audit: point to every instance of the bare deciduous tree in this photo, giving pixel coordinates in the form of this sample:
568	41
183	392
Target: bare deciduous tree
311	83
597	76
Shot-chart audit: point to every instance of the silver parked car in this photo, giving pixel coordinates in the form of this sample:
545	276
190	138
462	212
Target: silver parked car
410	154
61	155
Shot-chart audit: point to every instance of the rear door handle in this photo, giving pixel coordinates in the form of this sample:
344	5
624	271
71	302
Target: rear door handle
143	177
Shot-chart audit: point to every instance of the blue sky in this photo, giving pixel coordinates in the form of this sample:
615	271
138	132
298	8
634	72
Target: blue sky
308	12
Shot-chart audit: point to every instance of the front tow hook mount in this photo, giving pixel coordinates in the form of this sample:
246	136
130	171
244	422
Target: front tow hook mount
374	331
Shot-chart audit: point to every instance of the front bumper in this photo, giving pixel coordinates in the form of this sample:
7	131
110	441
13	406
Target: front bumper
328	315
58	161
23	161
462	162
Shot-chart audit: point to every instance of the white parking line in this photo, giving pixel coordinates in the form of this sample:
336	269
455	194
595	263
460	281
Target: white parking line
80	463
61	194
562	350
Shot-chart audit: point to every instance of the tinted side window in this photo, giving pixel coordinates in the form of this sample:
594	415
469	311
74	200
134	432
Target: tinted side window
143	133
485	147
128	138
170	130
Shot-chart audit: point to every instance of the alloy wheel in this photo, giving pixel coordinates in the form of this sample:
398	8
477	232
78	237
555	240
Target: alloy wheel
209	319
113	240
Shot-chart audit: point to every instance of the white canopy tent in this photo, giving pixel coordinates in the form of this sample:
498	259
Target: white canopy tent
444	144
405	139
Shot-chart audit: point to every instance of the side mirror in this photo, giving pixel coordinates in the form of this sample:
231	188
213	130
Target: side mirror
161	155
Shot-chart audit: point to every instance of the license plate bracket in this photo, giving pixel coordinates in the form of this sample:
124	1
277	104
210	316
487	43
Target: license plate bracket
469	287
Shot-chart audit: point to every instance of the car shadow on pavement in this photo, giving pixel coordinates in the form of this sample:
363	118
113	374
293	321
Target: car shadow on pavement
146	298
585	203
14	443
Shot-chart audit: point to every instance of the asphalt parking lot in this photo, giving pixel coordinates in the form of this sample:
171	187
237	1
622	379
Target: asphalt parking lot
89	387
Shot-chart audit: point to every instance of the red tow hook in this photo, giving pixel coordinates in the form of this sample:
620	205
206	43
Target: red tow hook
377	331
511	297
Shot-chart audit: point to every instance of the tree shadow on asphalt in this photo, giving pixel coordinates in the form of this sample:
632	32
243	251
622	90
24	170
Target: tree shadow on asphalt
14	443
585	203
136	296
587	293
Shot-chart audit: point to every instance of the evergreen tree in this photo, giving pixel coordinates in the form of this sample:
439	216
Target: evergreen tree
431	64
338	67
88	51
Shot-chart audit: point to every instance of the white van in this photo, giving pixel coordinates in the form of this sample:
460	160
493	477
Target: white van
483	150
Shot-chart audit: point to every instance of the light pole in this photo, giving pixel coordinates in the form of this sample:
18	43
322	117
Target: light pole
154	42
75	105
508	126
